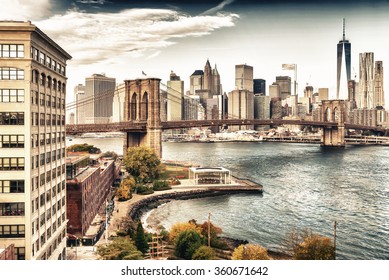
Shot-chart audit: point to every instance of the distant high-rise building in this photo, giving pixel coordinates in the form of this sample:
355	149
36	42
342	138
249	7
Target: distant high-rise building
366	80
285	84
175	91
261	109
206	84
118	103
274	91
241	106
379	97
196	81
99	91
260	86
32	143
323	94
343	65
244	77
352	94
79	97
308	92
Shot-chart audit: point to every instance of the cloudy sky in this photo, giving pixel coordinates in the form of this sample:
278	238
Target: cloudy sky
124	38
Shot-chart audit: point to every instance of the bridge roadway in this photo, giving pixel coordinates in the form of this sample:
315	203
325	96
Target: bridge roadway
141	126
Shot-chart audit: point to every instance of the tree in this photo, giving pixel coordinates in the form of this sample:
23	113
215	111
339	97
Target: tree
307	245
124	191
250	252
187	243
178	228
140	239
204	253
315	247
142	163
110	154
83	148
121	248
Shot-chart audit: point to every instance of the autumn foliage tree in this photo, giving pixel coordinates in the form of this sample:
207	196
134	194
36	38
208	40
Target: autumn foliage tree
177	228
142	163
250	252
204	253
123	192
307	245
121	248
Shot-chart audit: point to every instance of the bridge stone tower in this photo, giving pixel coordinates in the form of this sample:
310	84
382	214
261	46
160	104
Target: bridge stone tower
333	111
142	104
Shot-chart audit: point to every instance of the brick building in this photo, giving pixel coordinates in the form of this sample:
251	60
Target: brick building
88	186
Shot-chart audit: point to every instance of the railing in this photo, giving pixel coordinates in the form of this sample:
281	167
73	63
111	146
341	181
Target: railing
141	126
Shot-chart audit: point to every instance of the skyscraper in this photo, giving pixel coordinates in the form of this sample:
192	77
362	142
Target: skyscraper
32	142
260	86
343	73
379	97
366	80
100	89
79	97
244	77
285	83
175	91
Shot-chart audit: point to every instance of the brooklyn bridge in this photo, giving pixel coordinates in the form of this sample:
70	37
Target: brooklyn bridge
143	125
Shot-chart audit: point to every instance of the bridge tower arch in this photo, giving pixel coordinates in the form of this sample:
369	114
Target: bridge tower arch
333	111
142	103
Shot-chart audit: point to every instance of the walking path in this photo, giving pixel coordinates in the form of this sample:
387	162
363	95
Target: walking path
121	211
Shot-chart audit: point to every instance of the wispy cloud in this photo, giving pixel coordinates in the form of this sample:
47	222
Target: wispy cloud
101	2
218	7
24	9
129	33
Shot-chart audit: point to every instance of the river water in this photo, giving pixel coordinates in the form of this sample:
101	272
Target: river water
305	186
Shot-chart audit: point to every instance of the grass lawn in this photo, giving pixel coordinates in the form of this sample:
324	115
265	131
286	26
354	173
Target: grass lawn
175	171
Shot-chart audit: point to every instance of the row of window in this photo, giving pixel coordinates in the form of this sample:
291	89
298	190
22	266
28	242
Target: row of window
11	163
47	100
47	119
11	118
12	95
48	82
11	141
46	158
56	137
11	73
12	209
52	248
46	60
12	231
11	186
11	50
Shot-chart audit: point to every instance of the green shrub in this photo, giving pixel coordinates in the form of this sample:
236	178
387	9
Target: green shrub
161	186
142	189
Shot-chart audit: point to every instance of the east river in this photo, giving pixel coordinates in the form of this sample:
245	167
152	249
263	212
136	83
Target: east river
305	186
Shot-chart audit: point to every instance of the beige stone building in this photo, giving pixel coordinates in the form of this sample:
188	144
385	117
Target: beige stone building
32	142
175	91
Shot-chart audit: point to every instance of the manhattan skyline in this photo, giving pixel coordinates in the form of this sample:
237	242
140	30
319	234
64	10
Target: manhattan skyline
123	39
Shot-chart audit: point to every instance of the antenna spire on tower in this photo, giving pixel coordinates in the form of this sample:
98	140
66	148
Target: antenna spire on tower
344	29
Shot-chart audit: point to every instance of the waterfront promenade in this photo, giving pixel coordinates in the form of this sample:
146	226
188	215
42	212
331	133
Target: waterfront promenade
186	188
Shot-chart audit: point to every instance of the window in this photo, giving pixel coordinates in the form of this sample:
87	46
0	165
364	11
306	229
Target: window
12	209
42	159
11	118
8	50
10	73
42	119
12	231
48	138
48	61
34	54
12	163
11	186
11	141
20	253
42	58
42	202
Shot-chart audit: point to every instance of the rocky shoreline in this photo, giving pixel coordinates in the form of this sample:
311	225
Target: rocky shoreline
137	209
